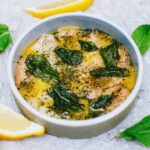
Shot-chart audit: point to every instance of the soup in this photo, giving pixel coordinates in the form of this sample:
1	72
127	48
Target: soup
75	73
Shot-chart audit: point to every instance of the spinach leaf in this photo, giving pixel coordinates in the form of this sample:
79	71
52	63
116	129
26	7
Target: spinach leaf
139	132
71	57
88	45
110	72
141	36
40	67
5	37
65	100
110	55
101	102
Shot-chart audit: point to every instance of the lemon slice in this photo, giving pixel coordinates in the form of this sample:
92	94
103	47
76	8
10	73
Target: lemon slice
14	126
59	7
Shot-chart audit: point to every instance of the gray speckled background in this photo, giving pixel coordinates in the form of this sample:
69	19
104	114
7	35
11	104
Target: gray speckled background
126	13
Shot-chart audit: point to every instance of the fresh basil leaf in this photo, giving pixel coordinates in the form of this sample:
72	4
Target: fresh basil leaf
110	55
5	40
65	100
139	132
95	114
97	31
5	37
110	72
88	45
71	57
3	28
125	136
53	32
85	32
101	102
40	67
141	36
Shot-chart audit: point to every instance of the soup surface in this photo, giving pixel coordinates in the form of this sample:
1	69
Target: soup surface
74	73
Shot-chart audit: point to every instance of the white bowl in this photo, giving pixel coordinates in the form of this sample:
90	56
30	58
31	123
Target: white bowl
70	128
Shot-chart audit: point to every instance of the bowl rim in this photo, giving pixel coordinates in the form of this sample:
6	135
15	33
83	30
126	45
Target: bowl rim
75	123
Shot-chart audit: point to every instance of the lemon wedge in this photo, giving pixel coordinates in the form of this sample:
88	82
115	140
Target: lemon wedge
14	126
62	6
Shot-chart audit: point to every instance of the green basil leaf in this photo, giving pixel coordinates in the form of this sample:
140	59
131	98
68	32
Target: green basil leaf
110	55
40	67
71	57
3	28
110	72
5	41
65	100
97	31
125	136
139	132
101	102
88	45
53	32
85	32
141	36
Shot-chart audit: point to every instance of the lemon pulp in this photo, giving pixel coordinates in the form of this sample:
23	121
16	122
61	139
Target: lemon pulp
63	6
12	121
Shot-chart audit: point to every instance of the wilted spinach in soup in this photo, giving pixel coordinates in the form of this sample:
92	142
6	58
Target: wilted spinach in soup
75	73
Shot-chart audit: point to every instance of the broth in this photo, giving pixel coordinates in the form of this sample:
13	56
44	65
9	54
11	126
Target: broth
75	73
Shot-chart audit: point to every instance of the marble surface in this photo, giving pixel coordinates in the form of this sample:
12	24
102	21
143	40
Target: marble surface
126	13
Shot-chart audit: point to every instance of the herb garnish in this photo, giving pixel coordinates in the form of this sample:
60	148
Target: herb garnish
139	132
40	67
110	55
85	32
65	100
5	37
141	36
71	57
97	31
88	45
110	72
101	102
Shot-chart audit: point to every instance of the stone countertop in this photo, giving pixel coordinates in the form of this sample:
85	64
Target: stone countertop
128	14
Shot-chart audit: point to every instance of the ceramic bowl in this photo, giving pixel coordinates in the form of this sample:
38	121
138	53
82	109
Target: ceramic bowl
70	128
